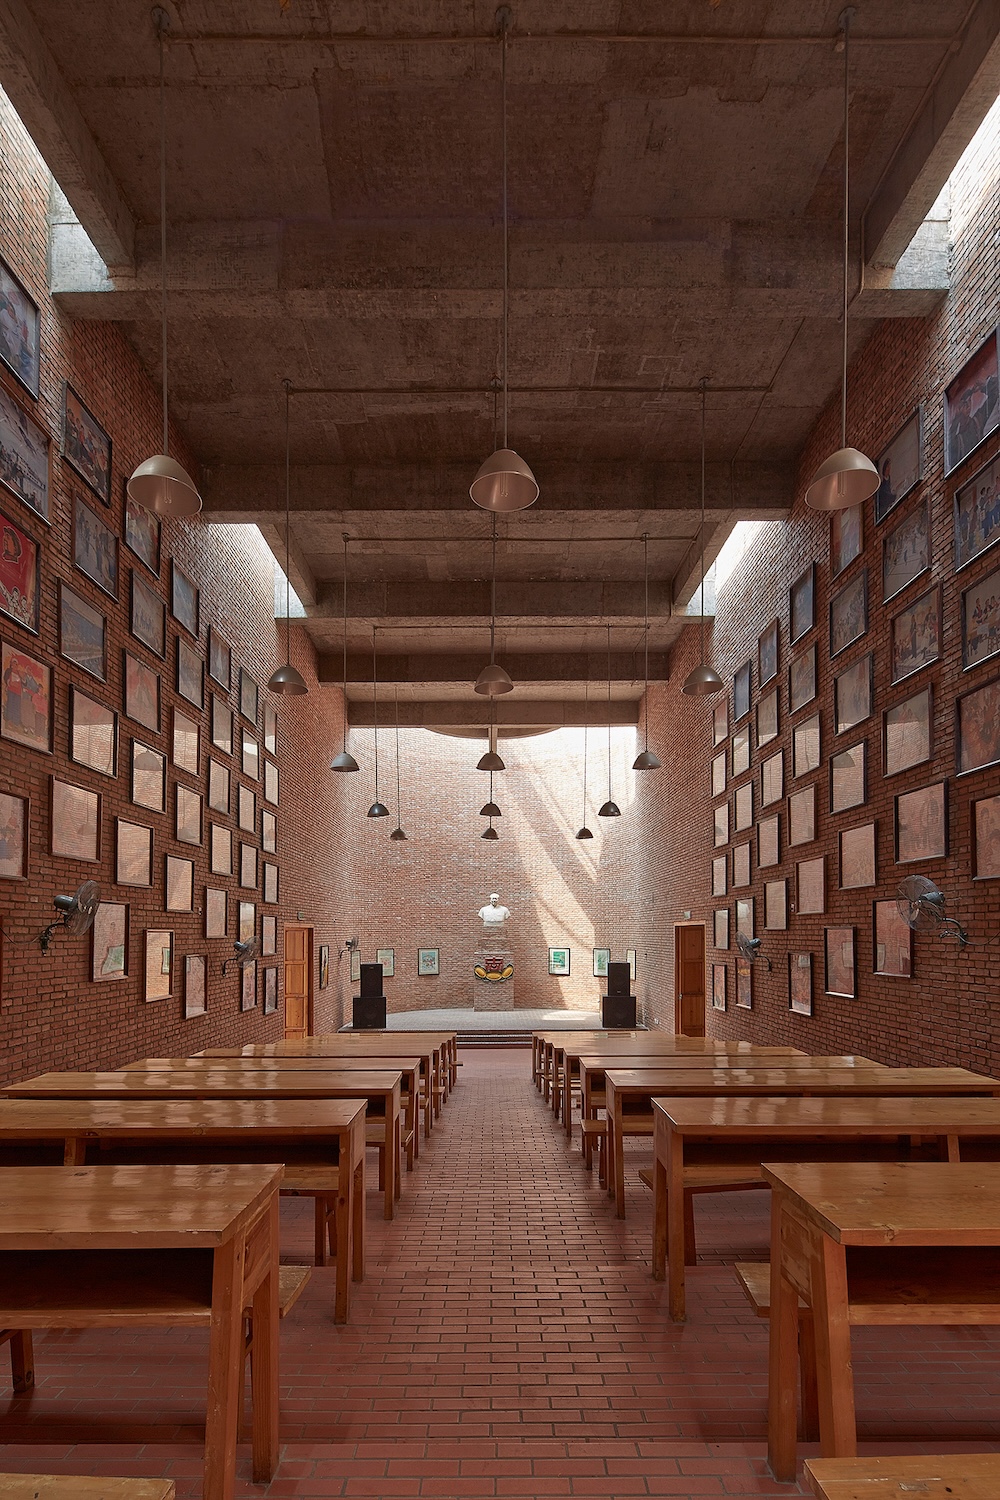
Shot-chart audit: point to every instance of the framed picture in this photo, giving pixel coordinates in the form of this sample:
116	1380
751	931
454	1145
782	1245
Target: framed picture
250	758
718	986
387	958
428	961
270	883
744	983
142	534
187	814
720	867
630	960
246	808
159	965
745	916
148	615
970	405
802	816
741	865
741	750
720	722
270	729
849	777
602	957
802	604
248	986
840	962
82	633
218	786
721	822
75	825
846	538
216	915
900	466
249	696
222	725
767	719
916	636
806	747
14	840
19	592
776	905
906	552
149	777
857	857
772	779
741	692
893	941
190	674
20	344
270	782
268	831
767	842
979	727
219	659
270	991
986	838
852	695
743	807
767	654
718	774
246	924
810	881
93	733
977	514
109	942
186	743
220	849
87	446
559	960
183	599
95	547
324	964
179	884
248	865
802	680
355	965
25	699
981	621
133	853
800	979
269	942
906	733
922	824
849	614
141	699
720	927
24	455
195	991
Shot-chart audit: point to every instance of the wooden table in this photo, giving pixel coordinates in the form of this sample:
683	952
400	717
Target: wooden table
300	1133
543	1041
380	1089
871	1242
125	1247
722	1142
629	1094
82	1487
949	1476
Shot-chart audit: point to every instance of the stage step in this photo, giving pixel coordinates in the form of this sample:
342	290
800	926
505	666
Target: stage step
502	1038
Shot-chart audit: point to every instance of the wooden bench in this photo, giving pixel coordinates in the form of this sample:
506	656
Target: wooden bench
82	1487
596	1132
22	1358
755	1279
292	1282
954	1476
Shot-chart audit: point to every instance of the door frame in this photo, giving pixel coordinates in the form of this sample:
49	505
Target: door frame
678	926
306	927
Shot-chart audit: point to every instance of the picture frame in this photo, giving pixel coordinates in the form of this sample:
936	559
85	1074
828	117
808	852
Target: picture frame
109	942
20	341
83	633
324	964
248	986
720	927
249	697
840	962
768	646
892	942
222	725
858	857
971	408
741	866
220	849
133	853
246	808
907	732
93	733
249	754
355	965
248	866
978	731
630	960
849	614
802	604
806	747
140	693
849	777
853	689
188	814
269	941
721	825
270	990
921	824
800	981
195	989
802	816
741	692
720	875
147	615
744	984
158	967
900	466
15	836
268	831
271	880
981	621
776	905
25	451
718	774
802	679
270	728
25	699
767	719
916	636
148	777
184	599
219	782
810	886
720	722
178	884
772	779
95	547
86	446
19	580
185	743
74	822
906	552
718	986
743	807
271	783
559	961
216	912
741	750
141	534
190	674
387	958
985	822
846	538
977	514
220	659
745	910
768	842
246	921
602	957
428	962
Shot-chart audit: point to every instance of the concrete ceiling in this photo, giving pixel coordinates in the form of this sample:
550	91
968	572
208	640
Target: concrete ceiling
334	191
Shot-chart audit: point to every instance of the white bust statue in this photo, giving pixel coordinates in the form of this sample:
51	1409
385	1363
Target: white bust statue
494	916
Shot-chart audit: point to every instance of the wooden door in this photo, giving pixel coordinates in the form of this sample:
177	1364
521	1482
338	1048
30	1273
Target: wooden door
689	979
298	981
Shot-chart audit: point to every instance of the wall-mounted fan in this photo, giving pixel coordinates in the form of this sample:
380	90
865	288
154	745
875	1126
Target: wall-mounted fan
750	949
244	954
76	912
351	944
921	905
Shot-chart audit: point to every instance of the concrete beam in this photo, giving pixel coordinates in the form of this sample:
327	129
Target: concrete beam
425	668
36	88
591	601
966	88
524	713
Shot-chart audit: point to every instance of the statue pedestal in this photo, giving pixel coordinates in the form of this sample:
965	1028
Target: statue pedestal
498	993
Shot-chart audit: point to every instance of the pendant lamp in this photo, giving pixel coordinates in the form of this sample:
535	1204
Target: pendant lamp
847	477
160	484
610	809
585	832
490	761
646	760
504	481
703	679
397	835
493	680
378	809
286	679
489	809
344	761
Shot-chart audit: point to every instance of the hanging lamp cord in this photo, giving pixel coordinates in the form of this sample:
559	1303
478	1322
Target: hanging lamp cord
493	596
504	24
610	798
701	596
345	642
845	22
375	700
288	487
645	634
396	695
162	26
586	716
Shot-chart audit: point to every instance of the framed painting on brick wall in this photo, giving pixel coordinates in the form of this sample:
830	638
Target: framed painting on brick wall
19	574
802	816
248	986
840	962
971	407
977	514
981	621
74	821
744	984
802	680
149	777
718	773
802	604
745	916
93	733
720	722
195	997
986	838
219	659
922	824
25	699
767	719
810	882
906	552
270	991
741	692
269	943
720	927
849	614
806	746
142	534
849	777
741	865
767	653
767	842
719	875
86	446
900	466
133	853
906	733
721	825
893	941
741	750
83	633
95	547
159	965
216	916
20	338
184	599
800	983
857	857
846	538
178	883
776	905
772	779
718	986
109	942
852	695
147	615
14	840
916	636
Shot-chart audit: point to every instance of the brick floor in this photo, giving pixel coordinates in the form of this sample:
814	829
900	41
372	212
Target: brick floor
508	1341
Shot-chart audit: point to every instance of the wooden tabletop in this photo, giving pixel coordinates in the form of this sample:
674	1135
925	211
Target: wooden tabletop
896	1203
832	1115
727	1060
947	1476
799	1080
213	1083
125	1208
37	1119
82	1487
651	1042
256	1064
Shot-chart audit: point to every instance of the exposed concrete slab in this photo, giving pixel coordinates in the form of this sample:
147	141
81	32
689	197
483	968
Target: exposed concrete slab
551	670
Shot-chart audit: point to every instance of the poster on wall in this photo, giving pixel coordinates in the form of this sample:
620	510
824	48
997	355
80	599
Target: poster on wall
25	699
20	344
18	574
87	446
24	456
899	466
971	409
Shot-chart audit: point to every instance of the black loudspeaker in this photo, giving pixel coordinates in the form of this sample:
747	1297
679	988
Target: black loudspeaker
618	1011
619	979
369	1010
371	981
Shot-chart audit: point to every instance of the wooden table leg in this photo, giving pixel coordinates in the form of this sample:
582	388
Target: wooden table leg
676	1236
397	1155
619	1158
358	1220
832	1333
344	1230
264	1363
782	1359
225	1370
659	1219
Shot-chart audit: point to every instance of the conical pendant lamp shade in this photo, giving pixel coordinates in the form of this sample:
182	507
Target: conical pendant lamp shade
647	760
489	833
287	680
344	762
702	680
492	681
490	762
378	810
504	482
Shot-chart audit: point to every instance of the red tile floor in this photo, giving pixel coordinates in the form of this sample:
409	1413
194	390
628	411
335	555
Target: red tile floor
508	1341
